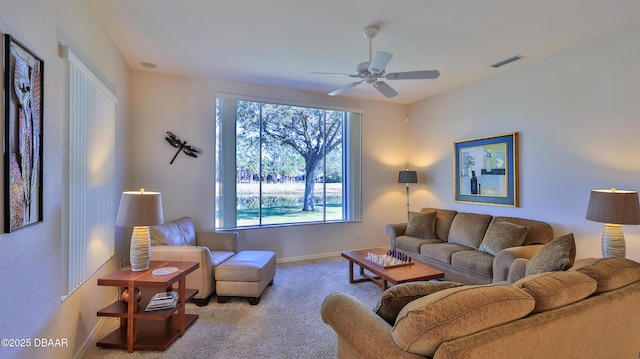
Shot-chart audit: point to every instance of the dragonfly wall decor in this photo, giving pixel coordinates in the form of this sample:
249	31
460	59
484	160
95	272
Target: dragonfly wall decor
181	146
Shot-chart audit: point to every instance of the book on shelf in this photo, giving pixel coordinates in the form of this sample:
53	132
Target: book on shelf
163	300
164	296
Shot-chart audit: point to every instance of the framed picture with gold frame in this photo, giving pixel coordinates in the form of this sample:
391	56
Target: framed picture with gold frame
485	170
23	105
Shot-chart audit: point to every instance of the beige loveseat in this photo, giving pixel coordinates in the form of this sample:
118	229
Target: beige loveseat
178	241
590	311
469	248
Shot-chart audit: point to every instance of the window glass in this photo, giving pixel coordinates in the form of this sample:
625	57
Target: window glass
282	164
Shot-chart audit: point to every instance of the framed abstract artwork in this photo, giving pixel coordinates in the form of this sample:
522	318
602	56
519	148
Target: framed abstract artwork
485	170
23	105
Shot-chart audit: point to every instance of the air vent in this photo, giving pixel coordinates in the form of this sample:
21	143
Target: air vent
507	61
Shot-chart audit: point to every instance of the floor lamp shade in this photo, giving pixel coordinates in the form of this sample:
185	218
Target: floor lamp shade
407	177
140	209
613	208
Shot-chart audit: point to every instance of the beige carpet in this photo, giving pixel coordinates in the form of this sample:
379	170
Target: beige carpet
286	323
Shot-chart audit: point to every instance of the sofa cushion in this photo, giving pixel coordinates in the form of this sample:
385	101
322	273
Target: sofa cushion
468	229
413	244
421	225
395	298
179	232
501	235
557	255
442	251
610	273
556	289
425	323
444	218
474	261
219	257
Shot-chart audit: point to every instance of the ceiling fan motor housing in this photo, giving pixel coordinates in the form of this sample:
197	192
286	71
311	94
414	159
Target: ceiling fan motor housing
370	32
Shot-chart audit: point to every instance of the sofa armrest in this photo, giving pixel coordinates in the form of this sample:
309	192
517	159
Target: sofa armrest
200	279
393	231
504	259
362	330
518	269
218	241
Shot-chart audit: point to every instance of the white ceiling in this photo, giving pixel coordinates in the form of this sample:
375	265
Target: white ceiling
279	42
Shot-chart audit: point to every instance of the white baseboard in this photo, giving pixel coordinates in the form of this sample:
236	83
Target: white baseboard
316	256
309	257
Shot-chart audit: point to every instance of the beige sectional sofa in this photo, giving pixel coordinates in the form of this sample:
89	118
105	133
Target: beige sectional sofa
590	311
469	248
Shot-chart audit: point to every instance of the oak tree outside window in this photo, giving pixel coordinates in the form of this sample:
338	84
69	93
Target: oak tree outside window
280	164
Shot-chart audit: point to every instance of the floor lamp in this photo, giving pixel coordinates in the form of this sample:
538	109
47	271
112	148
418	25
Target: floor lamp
140	210
407	177
613	208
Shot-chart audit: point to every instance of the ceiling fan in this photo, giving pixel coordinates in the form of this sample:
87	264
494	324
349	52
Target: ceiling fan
373	70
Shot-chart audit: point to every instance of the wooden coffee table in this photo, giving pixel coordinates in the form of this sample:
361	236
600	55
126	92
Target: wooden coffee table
383	276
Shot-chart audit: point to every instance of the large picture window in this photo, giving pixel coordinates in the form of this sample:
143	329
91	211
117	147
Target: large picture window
279	164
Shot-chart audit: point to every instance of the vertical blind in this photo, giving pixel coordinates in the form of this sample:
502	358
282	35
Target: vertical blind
90	208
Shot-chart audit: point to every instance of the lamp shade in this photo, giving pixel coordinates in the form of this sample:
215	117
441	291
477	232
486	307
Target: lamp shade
140	208
408	177
614	206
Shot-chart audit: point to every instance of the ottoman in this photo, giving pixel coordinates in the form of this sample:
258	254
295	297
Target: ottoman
246	274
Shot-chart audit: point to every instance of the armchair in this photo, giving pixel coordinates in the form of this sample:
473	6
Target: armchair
178	241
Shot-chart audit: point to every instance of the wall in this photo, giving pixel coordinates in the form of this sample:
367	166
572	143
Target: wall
577	116
186	107
31	259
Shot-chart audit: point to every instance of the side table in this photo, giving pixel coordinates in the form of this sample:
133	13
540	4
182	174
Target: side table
140	329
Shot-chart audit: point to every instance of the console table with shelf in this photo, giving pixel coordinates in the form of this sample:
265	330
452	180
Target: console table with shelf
140	329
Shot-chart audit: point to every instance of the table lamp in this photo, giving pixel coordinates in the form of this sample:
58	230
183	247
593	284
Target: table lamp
613	208
407	177
140	210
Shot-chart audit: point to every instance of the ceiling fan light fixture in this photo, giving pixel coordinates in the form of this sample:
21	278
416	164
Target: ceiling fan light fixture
363	69
379	62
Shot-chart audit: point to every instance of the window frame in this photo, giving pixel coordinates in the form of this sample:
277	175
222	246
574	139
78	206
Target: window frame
226	166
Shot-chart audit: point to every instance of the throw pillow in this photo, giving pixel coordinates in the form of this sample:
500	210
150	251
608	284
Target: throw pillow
395	298
556	289
501	235
421	225
427	322
557	255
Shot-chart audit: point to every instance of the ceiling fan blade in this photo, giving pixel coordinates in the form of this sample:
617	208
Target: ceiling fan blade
385	89
332	74
345	88
379	62
413	75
